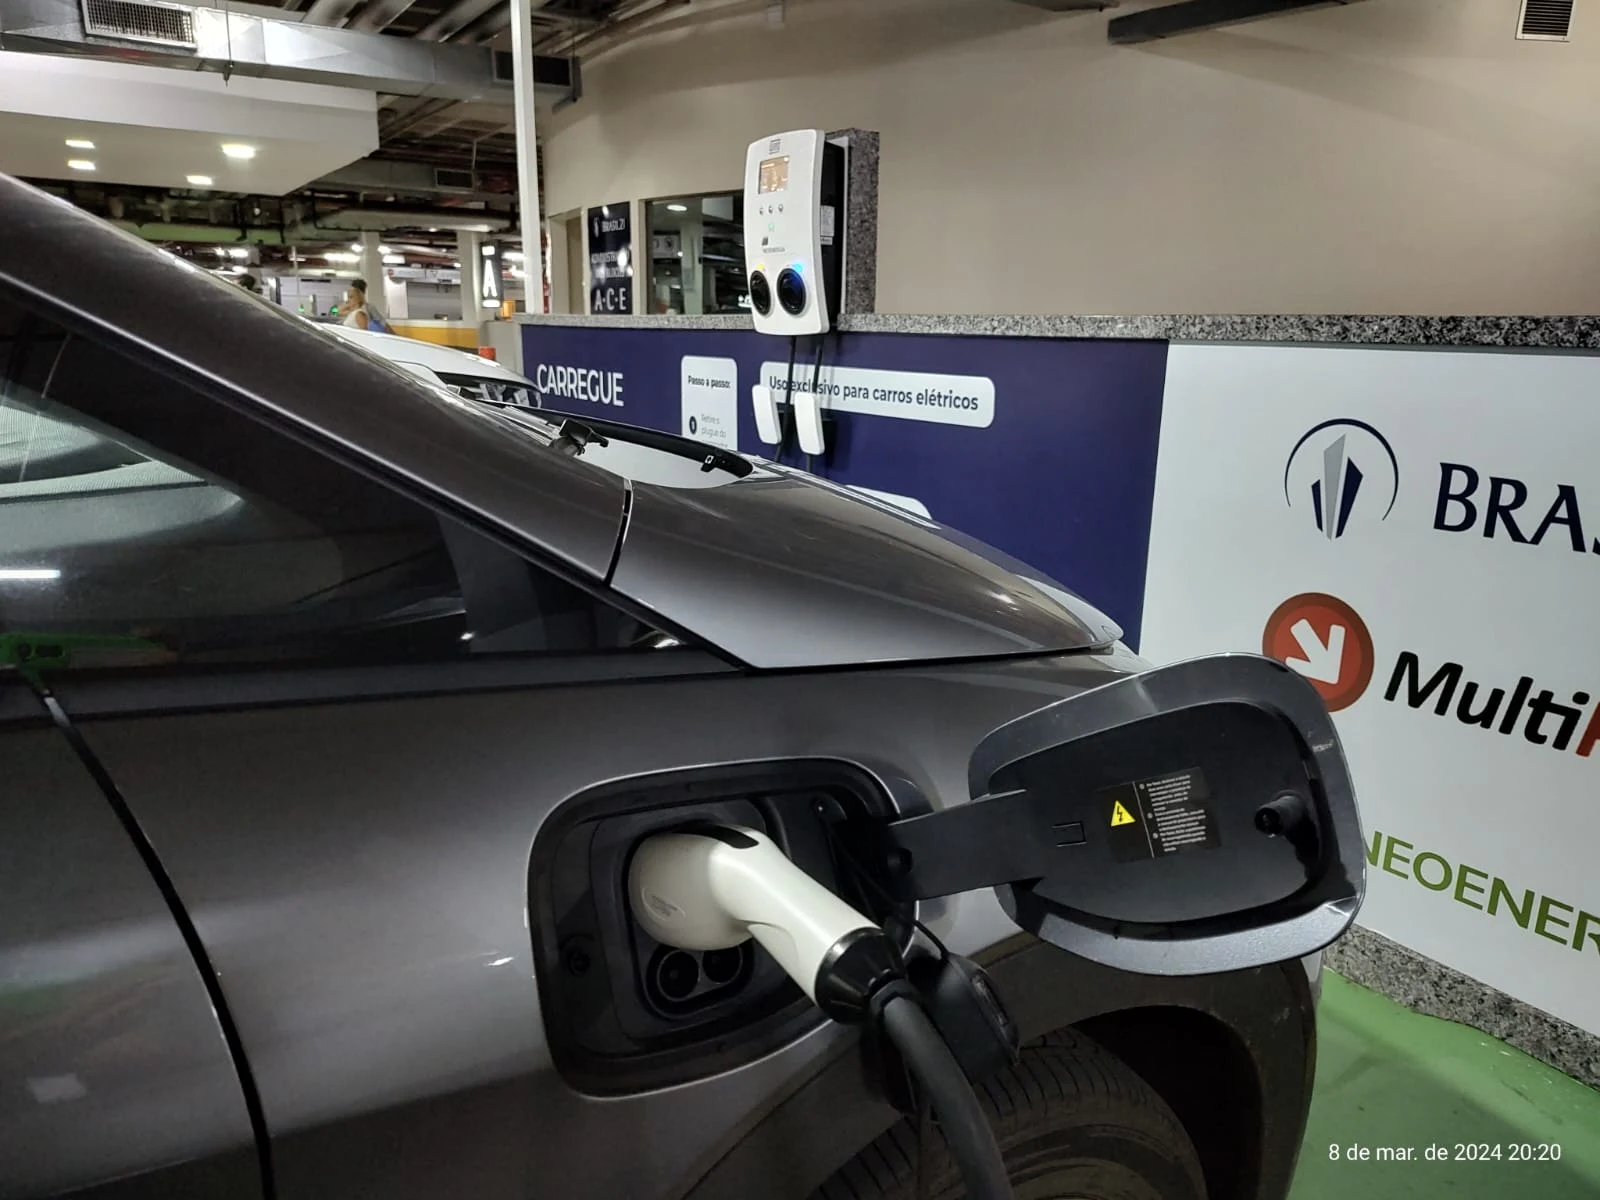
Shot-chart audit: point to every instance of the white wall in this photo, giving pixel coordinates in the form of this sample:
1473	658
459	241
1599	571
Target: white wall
1386	156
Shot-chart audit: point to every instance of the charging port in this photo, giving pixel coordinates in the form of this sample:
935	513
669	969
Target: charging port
623	1012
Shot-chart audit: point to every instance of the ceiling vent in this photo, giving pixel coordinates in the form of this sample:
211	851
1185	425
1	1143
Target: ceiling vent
140	21
447	180
1545	21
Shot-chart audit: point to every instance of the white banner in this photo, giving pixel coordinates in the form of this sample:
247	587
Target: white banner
1417	532
908	395
709	391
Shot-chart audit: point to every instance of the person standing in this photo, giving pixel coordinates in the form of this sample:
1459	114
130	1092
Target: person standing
360	313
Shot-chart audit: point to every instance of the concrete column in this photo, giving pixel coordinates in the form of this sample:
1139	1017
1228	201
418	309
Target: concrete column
371	268
690	241
527	151
467	250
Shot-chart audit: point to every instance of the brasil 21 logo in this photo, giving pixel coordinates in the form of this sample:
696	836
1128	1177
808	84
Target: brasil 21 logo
1342	469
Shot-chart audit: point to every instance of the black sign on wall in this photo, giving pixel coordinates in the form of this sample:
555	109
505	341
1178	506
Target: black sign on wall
491	285
611	259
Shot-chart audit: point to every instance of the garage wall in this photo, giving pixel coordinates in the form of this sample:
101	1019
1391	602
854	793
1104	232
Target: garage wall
1385	156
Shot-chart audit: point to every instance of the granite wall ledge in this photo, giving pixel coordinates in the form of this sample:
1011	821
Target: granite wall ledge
1430	987
1553	333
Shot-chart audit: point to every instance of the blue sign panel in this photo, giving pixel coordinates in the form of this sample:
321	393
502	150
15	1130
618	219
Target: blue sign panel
1045	449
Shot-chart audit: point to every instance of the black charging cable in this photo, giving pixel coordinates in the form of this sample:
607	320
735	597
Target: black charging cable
816	381
954	1103
784	427
919	1092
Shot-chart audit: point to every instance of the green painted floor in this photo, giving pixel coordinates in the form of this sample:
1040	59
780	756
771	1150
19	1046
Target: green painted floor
1391	1081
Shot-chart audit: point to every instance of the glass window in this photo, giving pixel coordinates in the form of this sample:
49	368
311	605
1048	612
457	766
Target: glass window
697	254
142	524
493	391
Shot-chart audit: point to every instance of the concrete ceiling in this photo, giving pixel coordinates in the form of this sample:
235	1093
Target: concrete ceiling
154	127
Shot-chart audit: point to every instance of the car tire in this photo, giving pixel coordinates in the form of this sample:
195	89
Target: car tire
1072	1121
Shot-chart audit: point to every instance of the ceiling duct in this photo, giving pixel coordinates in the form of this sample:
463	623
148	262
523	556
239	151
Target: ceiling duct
1192	16
233	43
140	21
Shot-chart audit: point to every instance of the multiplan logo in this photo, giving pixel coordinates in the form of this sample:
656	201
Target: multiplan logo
1341	469
1497	705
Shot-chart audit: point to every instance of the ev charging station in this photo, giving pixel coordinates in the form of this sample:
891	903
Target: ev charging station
794	250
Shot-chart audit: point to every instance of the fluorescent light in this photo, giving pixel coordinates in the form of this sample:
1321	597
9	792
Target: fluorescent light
80	164
385	249
513	256
677	208
238	150
337	256
238	252
79	144
457	266
355	247
201	180
394	260
28	574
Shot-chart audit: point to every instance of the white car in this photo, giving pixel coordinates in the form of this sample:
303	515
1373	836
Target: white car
469	375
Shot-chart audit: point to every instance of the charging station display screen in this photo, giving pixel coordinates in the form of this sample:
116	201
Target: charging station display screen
774	174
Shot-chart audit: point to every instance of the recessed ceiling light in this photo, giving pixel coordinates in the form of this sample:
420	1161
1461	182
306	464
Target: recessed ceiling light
201	180
79	144
677	208
238	150
239	252
80	164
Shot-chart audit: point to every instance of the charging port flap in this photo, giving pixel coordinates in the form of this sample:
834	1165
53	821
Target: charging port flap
1193	819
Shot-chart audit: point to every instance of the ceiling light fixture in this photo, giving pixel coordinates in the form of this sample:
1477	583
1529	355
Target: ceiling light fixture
28	574
80	164
238	150
677	208
355	247
239	252
79	144
394	260
201	180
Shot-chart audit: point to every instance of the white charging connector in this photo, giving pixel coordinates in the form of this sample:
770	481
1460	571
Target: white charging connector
713	888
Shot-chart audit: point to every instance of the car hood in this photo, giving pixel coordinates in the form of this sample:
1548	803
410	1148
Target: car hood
783	570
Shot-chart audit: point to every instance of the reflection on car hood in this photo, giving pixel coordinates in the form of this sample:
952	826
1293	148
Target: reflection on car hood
783	570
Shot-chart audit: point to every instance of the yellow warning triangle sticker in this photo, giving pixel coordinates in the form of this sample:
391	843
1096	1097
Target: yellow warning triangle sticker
1120	815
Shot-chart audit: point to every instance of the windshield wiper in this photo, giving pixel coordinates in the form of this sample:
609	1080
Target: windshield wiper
710	458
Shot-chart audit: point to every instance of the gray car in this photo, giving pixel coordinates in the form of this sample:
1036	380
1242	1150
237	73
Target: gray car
331	708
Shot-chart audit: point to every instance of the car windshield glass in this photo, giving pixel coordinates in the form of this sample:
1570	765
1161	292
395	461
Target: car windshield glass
491	390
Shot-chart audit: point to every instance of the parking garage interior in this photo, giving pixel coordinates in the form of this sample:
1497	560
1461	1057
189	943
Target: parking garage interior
849	459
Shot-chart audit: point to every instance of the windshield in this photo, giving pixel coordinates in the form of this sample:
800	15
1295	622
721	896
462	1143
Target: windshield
514	392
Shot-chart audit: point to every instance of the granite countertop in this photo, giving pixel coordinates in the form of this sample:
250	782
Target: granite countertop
1568	333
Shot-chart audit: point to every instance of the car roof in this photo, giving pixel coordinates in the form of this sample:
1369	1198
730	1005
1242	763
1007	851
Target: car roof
398	348
244	349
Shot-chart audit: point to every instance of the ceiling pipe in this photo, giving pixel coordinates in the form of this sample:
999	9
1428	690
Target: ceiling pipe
328	12
630	21
463	13
379	15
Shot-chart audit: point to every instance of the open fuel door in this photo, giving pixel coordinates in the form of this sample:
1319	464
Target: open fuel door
1193	819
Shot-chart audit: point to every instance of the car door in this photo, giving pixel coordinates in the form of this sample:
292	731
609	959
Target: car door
116	1079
